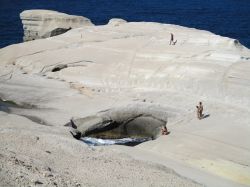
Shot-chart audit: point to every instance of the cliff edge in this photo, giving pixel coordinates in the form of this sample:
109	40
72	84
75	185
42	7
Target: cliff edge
46	23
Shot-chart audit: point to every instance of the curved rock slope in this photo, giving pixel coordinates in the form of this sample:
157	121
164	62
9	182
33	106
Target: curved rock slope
138	56
102	70
46	23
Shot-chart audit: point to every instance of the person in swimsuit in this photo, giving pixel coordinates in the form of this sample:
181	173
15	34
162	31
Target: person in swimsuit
164	130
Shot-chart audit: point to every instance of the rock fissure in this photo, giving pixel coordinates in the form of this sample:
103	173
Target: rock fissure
58	66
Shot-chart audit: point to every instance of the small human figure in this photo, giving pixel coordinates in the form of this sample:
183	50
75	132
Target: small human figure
198	112
201	109
164	130
172	39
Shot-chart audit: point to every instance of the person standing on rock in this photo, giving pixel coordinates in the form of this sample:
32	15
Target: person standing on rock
198	112
171	39
201	109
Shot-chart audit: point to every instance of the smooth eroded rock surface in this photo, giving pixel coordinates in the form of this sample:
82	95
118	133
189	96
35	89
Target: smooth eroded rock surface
46	23
95	74
135	120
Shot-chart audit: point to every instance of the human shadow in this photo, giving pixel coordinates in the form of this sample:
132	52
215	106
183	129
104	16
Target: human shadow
205	116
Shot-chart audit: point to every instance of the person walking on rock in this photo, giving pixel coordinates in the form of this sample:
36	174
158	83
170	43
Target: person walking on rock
172	42
171	39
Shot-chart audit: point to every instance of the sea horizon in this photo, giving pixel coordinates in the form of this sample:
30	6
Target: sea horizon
227	18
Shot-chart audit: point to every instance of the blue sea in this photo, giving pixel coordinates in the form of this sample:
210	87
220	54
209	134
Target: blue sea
229	18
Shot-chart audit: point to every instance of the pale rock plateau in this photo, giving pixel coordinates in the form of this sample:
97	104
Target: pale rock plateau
124	66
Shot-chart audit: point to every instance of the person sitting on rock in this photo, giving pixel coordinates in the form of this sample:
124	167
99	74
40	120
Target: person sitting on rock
164	130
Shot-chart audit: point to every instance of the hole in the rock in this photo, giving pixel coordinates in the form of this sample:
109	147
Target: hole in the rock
5	105
131	132
59	31
59	67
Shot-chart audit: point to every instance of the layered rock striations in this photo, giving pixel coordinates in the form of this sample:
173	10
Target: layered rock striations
46	23
138	55
127	74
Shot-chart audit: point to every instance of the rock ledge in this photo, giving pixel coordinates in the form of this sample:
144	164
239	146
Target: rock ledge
46	23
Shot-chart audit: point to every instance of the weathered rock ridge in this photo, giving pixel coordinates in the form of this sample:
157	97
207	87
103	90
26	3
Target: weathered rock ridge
46	23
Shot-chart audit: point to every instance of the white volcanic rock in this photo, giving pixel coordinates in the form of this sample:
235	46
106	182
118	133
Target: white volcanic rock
46	23
138	55
99	68
116	21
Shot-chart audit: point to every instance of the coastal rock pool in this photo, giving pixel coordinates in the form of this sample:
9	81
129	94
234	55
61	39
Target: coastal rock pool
123	141
124	126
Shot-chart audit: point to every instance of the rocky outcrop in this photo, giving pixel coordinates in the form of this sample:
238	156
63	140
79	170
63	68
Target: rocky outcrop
116	22
45	23
135	121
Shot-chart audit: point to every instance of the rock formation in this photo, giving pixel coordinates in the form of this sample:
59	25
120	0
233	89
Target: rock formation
93	79
116	22
126	121
46	23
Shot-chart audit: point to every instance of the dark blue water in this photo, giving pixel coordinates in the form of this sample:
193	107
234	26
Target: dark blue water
229	18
